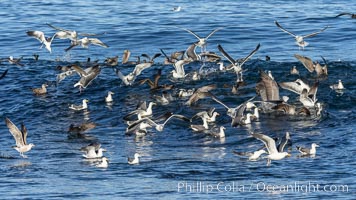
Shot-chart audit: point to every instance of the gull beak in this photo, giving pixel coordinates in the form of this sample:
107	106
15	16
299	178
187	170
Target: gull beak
289	155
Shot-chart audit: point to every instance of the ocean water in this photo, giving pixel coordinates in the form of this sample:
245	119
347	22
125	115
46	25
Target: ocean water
175	163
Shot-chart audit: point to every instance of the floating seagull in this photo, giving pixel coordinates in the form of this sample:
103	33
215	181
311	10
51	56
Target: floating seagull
40	36
271	147
86	76
85	42
313	66
353	16
135	160
219	134
108	99
93	151
300	38
237	64
104	163
202	41
338	86
114	61
81	128
20	137
80	107
267	88
308	100
40	91
252	156
199	128
306	151
186	93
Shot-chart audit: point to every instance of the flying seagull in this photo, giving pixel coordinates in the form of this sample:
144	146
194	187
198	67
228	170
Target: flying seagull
20	137
300	38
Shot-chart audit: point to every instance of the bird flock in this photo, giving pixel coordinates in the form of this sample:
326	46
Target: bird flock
141	121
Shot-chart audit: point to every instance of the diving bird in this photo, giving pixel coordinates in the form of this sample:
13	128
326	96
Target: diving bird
20	137
300	38
135	160
306	151
40	36
273	153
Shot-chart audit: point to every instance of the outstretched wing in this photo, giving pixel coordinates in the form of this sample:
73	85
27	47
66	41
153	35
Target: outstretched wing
15	132
283	29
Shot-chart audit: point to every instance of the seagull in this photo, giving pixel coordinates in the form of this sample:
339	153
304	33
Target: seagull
104	163
306	151
308	100
80	107
93	151
252	156
199	128
20	137
13	61
353	16
237	64
200	93
108	99
338	86
139	129
300	38
179	71
202	41
142	111
40	36
86	76
219	134
267	88
135	160
85	42
69	34
126	55
81	128
270	144
114	61
130	78
154	84
159	127
40	91
210	115
191	54
298	86
285	108
313	66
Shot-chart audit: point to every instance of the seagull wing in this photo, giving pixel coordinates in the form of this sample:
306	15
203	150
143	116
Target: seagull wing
307	62
292	86
315	33
97	42
191	32
226	55
15	132
250	55
39	35
268	141
4	74
212	32
341	14
270	86
24	133
283	29
79	70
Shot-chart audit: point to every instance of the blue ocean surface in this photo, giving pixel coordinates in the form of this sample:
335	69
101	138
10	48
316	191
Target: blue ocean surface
176	163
